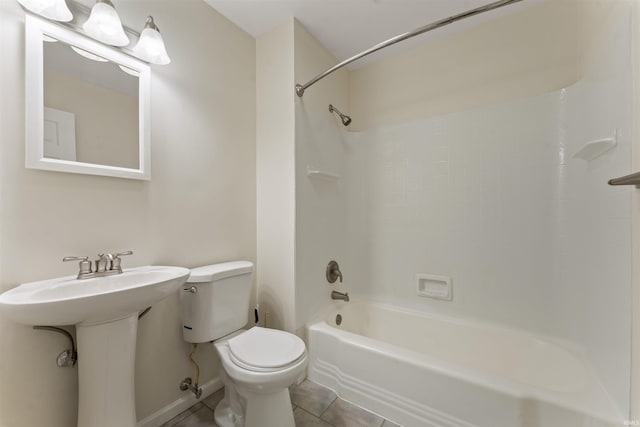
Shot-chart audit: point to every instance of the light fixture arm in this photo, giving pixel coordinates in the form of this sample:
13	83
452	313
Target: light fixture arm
149	23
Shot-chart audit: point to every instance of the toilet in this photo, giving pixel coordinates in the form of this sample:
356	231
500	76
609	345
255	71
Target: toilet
258	364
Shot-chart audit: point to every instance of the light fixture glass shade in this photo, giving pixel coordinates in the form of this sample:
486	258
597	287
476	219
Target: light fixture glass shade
104	24
129	71
50	9
150	46
89	55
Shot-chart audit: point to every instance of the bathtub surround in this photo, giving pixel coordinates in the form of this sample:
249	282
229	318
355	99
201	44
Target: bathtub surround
203	157
493	198
416	191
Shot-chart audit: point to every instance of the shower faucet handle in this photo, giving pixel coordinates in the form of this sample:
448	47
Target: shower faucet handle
333	272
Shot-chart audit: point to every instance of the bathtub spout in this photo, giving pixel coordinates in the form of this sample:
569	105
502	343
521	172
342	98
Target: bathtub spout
340	296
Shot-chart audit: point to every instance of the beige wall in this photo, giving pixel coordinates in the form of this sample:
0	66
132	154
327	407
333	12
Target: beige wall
106	120
198	208
535	49
275	154
311	58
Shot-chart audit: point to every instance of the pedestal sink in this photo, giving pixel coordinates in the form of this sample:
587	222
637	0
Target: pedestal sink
105	312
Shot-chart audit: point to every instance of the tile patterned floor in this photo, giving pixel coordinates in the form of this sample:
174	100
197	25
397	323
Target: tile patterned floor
313	406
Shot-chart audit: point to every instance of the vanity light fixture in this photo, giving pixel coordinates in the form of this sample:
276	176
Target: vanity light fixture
50	9
104	24
150	46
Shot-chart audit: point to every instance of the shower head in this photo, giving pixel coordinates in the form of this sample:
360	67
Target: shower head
346	120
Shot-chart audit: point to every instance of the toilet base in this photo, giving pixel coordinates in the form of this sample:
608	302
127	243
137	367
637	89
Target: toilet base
225	417
269	410
230	410
260	410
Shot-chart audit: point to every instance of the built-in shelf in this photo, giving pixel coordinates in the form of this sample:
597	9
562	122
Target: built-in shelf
631	179
316	173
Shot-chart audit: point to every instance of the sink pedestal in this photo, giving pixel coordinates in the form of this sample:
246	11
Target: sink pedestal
105	311
106	363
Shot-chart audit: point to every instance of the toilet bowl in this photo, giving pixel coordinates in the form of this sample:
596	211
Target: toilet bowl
258	364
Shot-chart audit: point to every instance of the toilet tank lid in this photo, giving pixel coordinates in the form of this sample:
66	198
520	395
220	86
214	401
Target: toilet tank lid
209	273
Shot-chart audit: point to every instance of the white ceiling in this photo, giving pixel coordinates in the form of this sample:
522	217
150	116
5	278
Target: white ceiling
347	27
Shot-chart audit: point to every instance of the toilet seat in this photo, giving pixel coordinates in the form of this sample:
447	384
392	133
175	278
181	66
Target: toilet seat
265	350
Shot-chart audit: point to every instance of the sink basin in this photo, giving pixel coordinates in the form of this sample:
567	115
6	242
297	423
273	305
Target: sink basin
72	301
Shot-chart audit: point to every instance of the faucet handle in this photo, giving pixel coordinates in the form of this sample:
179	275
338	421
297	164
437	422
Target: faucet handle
333	272
85	264
75	258
115	263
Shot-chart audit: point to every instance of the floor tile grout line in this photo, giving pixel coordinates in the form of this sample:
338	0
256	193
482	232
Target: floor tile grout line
326	422
327	408
353	404
207	406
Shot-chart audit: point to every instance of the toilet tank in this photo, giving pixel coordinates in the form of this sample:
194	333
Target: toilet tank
219	304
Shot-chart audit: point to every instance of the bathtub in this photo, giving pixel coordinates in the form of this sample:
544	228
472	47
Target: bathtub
430	371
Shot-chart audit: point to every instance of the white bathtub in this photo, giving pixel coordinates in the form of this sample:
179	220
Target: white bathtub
429	371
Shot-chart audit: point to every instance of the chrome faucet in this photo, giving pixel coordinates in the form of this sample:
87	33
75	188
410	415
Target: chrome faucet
340	296
105	265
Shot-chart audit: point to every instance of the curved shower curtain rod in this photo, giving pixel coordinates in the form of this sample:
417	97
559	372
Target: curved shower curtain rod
441	23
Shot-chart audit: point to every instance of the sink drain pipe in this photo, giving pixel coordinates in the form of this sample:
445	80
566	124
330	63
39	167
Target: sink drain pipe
68	358
187	383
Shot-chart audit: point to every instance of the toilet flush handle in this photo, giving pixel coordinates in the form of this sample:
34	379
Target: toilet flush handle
192	290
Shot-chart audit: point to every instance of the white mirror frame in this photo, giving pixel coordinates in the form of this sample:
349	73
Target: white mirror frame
35	28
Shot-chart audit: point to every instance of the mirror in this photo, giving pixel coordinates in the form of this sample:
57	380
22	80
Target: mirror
87	105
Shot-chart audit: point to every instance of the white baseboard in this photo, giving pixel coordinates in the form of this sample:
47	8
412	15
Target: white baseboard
176	407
